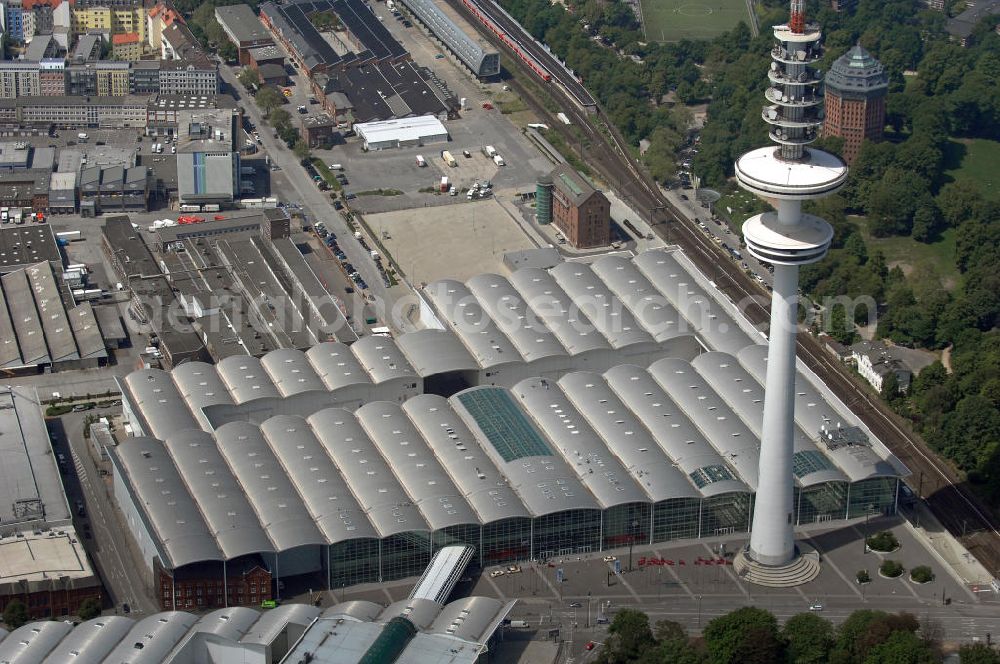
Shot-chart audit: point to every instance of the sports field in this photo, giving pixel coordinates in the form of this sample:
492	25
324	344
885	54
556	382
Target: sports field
673	20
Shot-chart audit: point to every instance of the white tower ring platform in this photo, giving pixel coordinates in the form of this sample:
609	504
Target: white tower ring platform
771	241
763	173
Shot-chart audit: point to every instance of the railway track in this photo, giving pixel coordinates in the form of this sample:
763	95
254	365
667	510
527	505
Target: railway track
937	483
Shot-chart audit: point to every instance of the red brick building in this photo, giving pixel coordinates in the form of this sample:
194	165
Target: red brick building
580	211
201	585
856	89
51	598
49	573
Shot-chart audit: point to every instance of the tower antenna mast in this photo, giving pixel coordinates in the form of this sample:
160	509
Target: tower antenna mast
786	174
797	22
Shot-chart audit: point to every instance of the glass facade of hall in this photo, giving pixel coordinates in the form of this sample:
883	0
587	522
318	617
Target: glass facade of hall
588	530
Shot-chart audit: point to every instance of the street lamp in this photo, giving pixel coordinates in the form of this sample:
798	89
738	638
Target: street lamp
699	611
631	542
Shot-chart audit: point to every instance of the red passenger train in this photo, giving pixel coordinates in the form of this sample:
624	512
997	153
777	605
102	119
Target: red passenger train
509	40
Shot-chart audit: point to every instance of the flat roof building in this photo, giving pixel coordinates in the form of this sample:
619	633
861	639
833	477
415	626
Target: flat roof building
242	26
31	492
406	132
153	300
42	327
48	572
383	91
24	245
369	40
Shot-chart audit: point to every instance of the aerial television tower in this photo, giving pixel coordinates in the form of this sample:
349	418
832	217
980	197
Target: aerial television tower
786	174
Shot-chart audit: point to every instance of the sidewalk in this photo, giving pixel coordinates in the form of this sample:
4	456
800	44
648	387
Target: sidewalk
946	547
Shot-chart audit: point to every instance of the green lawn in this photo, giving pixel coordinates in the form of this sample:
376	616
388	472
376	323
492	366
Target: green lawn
975	161
327	174
673	20
933	263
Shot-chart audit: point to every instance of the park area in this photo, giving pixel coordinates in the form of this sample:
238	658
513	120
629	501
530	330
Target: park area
974	161
674	20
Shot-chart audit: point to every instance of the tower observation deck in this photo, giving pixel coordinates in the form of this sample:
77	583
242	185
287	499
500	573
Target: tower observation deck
786	174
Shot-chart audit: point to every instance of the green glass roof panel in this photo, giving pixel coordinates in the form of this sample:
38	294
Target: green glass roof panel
391	642
706	475
506	426
809	461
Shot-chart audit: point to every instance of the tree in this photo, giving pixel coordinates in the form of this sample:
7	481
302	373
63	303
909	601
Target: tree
629	637
16	614
901	647
890	387
978	653
849	635
228	52
891	568
746	632
839	327
675	651
809	639
927	223
269	99
301	150
958	201
921	574
855	246
883	542
249	77
667	630
893	201
288	134
89	609
279	118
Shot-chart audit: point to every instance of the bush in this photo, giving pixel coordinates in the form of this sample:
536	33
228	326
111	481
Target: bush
883	542
89	609
16	614
863	576
921	574
56	411
891	568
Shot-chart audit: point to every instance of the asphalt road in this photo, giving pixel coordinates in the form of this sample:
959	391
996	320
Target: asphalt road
316	205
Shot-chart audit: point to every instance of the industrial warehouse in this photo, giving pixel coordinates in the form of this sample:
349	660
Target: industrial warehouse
472	51
522	427
420	628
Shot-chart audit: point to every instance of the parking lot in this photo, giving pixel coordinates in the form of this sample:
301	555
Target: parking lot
398	170
473	236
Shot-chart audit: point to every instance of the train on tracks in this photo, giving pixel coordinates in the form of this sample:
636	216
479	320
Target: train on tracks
534	55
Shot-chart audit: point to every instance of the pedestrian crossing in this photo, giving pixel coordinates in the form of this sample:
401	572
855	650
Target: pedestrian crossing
81	471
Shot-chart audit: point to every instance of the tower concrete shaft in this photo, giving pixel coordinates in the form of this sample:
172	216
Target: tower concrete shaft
786	176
